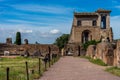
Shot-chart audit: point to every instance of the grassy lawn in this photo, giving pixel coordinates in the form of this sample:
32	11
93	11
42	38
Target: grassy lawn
18	68
114	70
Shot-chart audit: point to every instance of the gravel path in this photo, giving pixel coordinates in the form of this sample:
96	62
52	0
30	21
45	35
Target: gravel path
74	68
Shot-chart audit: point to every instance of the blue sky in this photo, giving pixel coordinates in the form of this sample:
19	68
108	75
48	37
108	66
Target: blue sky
44	20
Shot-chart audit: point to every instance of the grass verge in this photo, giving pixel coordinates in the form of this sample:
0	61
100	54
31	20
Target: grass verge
114	70
95	61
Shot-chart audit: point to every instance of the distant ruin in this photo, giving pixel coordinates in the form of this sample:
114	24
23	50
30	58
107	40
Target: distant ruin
9	41
33	49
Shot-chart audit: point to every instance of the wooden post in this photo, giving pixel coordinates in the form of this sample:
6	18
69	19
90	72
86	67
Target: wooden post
52	60
27	70
39	66
7	70
49	56
49	60
45	66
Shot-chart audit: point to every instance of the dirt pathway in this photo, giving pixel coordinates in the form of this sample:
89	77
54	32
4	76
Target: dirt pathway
73	68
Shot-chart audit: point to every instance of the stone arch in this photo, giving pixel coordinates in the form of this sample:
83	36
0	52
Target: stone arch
86	36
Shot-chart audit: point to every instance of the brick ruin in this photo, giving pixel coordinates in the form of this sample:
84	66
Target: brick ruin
108	52
89	26
94	26
9	41
33	49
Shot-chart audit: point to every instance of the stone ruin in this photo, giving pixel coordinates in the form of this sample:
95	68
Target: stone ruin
88	26
117	54
25	41
109	53
34	50
9	41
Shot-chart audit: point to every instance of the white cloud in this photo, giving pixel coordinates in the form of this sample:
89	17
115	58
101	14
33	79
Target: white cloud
115	17
55	31
115	24
1	0
42	8
25	31
117	7
114	1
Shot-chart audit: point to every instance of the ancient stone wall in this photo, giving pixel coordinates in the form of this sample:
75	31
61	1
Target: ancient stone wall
31	48
91	50
103	51
117	54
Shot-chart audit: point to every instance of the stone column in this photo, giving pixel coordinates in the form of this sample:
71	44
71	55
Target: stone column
108	21
75	21
99	20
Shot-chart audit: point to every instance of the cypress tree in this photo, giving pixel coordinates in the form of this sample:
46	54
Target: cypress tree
18	38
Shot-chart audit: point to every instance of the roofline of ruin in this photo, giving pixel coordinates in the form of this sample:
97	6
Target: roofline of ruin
91	13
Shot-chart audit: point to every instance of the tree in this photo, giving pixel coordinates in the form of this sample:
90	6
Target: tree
62	40
18	38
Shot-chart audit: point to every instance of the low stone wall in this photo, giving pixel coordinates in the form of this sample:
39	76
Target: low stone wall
30	48
117	54
91	51
109	53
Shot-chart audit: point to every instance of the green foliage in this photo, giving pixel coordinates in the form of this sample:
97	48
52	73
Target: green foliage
62	40
114	70
95	61
18	38
93	42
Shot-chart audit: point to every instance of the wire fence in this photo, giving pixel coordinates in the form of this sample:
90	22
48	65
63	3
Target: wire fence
26	70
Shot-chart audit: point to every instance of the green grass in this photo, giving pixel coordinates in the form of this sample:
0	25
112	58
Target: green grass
98	62
114	70
95	61
18	68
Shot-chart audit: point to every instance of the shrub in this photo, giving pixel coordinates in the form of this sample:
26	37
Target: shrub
93	42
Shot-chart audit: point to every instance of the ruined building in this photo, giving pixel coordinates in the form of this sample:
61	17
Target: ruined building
91	26
9	41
